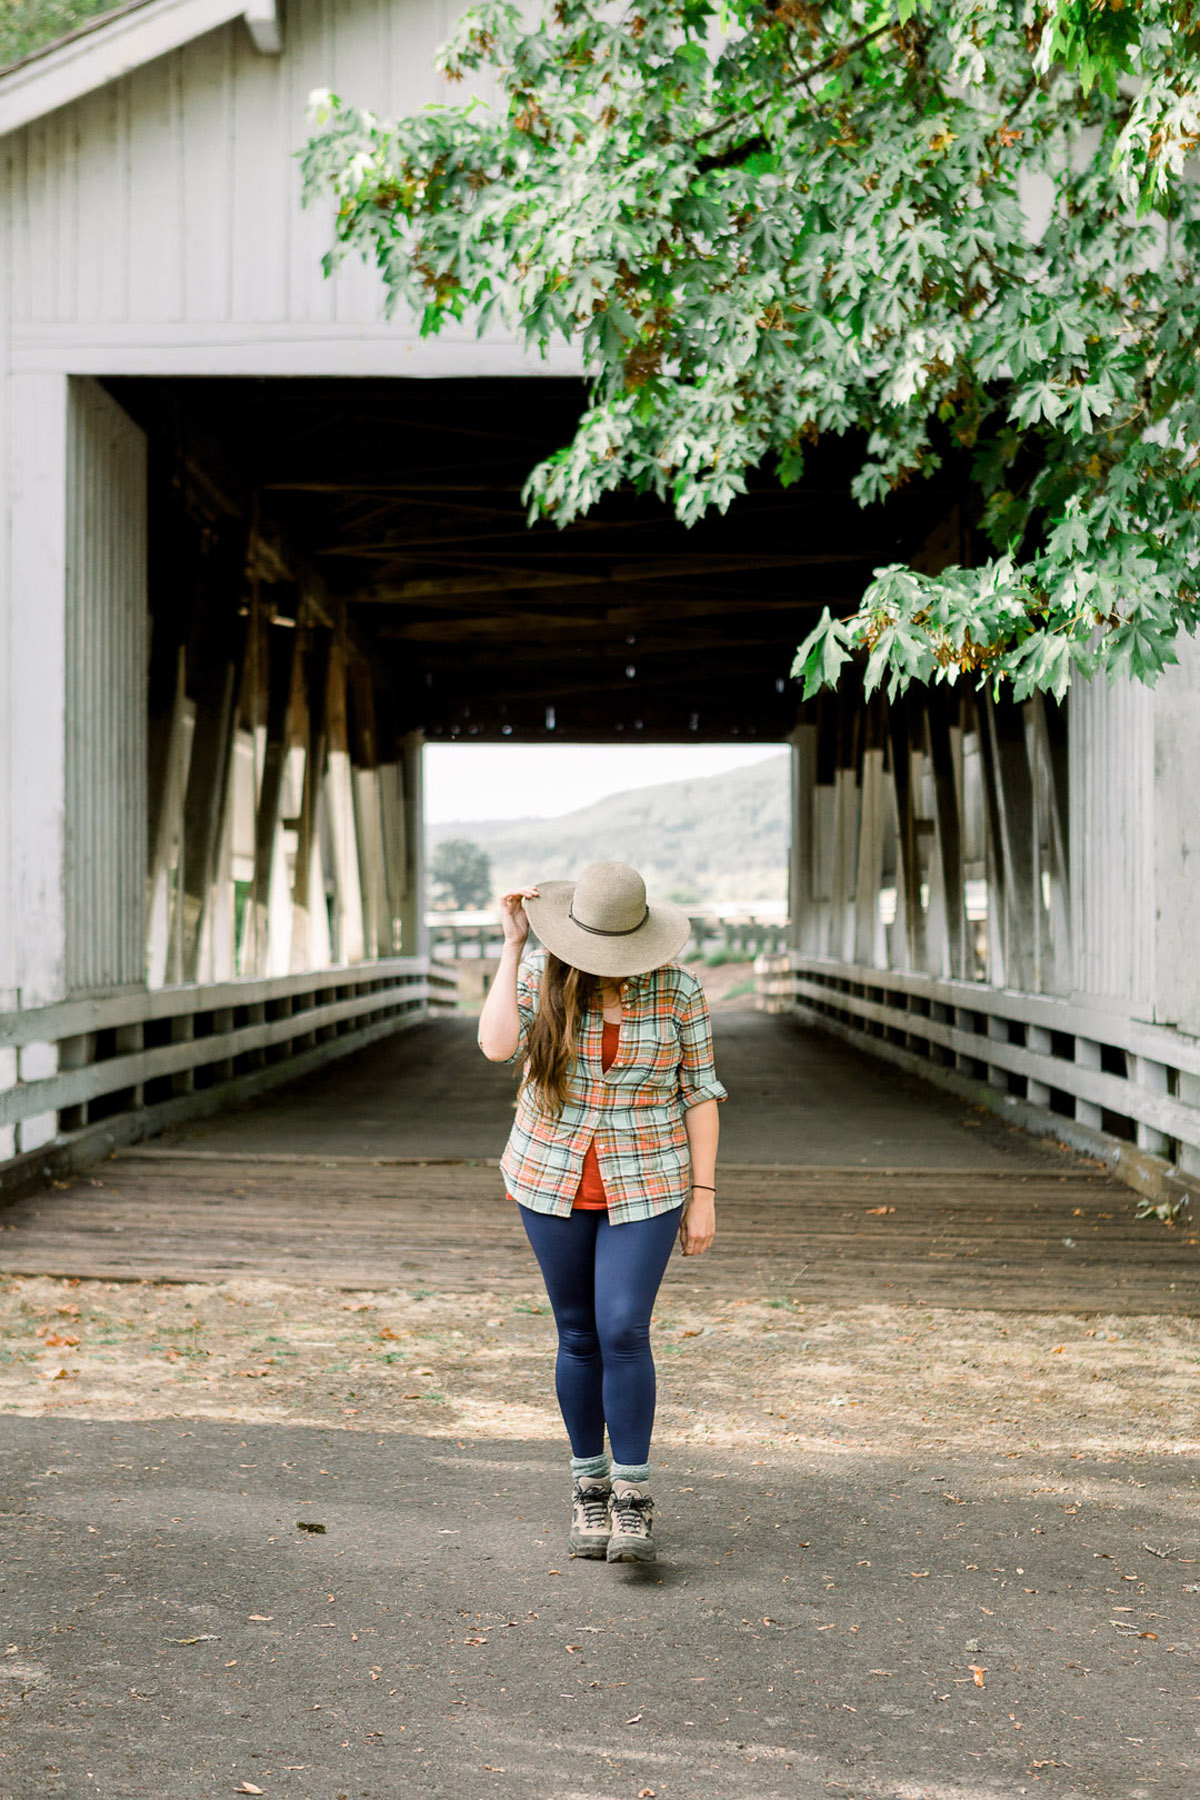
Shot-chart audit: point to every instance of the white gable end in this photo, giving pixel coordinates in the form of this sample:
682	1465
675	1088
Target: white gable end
115	46
155	226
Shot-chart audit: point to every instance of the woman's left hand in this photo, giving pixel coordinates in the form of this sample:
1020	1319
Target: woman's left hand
699	1223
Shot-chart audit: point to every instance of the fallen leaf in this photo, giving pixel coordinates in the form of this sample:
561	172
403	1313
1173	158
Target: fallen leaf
305	1525
247	1787
918	1574
877	1211
1152	1635
70	1311
635	1719
645	1794
1058	1350
977	1672
56	1338
387	1332
56	1375
261	1618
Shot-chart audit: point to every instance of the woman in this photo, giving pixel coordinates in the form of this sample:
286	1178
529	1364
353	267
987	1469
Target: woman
612	1152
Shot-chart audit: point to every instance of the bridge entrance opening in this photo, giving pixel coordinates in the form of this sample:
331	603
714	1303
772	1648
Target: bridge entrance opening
342	572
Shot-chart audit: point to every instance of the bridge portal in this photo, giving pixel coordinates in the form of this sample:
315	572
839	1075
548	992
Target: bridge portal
258	545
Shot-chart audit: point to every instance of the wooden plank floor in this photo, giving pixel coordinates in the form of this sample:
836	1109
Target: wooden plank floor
1065	1239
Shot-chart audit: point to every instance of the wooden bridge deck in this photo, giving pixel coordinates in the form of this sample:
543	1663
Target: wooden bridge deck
992	1221
1058	1242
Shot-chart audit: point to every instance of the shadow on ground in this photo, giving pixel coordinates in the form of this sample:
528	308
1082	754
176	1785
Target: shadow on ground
975	1629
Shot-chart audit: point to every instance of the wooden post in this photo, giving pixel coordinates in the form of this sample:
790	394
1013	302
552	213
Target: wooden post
908	873
340	797
1088	1055
1013	786
164	919
414	936
1050	756
949	835
309	922
872	826
368	819
846	801
215	660
802	893
284	670
997	867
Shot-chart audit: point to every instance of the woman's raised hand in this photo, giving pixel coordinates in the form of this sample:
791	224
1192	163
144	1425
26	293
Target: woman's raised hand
513	916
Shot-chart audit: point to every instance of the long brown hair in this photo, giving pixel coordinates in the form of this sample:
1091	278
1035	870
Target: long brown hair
566	995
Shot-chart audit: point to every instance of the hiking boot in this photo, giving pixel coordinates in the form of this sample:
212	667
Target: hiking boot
632	1512
590	1524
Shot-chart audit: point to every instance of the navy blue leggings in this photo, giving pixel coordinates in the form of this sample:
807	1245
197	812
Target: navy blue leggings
602	1281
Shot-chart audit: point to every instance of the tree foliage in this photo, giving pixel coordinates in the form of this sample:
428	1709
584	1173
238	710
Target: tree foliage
462	874
29	25
931	223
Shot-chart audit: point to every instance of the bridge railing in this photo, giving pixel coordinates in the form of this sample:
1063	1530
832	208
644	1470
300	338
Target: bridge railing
1101	1081
737	931
87	1073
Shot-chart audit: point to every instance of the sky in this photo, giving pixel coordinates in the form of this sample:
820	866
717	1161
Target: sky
522	781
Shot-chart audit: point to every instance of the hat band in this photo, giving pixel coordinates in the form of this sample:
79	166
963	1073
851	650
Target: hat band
600	931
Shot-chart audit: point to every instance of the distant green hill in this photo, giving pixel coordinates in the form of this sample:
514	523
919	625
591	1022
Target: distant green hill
718	837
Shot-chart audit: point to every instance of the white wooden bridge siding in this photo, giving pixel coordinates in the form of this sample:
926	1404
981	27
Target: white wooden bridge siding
158	221
1085	1001
154	226
105	773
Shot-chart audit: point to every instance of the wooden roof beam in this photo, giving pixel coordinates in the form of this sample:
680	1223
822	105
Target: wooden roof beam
503	581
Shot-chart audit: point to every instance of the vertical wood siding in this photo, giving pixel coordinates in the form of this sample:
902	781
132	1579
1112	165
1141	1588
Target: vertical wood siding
173	196
106	697
9	979
1112	841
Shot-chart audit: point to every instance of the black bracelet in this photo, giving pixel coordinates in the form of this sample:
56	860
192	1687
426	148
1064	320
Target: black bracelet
704	1187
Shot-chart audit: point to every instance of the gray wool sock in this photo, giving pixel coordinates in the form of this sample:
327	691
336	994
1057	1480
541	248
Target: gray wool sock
631	1471
594	1468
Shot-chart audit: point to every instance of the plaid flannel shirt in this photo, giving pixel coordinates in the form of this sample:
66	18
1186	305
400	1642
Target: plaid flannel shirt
633	1111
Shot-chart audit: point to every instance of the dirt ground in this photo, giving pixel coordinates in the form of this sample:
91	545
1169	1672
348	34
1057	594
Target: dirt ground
768	1375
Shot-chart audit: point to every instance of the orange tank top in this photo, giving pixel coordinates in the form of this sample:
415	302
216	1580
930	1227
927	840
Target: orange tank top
591	1196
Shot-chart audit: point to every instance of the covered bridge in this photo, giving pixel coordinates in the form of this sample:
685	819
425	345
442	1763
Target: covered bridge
257	547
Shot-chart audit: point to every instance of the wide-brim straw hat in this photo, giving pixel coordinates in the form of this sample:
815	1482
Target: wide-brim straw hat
604	924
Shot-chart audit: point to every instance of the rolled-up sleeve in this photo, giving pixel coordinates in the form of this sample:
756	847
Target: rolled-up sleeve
697	1075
